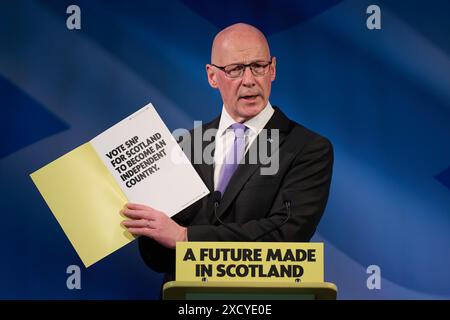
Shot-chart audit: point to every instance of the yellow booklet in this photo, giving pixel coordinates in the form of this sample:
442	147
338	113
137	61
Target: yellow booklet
137	160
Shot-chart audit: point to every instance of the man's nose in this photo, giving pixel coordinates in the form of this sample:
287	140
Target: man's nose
248	79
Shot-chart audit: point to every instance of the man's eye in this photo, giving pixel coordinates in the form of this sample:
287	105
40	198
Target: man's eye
235	68
257	66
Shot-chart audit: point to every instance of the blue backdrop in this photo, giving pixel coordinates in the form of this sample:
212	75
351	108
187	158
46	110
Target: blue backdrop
382	97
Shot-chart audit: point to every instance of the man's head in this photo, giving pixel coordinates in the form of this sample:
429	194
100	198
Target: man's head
243	96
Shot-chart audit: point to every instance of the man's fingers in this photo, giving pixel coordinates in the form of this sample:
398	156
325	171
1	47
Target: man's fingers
138	214
142	232
137	206
141	223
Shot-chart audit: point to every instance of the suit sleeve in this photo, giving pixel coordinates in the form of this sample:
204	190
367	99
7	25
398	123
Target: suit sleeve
158	257
306	184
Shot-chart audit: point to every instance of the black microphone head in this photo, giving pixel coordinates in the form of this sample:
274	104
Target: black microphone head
286	197
216	196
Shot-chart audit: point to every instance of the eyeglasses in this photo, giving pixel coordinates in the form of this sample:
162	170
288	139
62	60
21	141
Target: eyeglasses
258	68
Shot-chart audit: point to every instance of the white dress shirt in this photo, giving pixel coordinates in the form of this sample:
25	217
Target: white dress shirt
225	138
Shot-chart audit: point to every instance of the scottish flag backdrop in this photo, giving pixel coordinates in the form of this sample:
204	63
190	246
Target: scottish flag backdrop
381	96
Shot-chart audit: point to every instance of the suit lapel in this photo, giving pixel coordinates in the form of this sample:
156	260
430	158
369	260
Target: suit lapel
205	170
245	170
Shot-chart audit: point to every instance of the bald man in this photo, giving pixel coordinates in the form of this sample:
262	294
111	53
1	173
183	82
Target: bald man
245	203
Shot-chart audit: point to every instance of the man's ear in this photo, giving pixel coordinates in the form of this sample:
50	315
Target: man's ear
273	69
212	77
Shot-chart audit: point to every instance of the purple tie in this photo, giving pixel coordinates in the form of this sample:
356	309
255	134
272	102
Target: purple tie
233	156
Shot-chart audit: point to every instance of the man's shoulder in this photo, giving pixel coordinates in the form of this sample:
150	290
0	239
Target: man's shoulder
299	132
300	141
294	130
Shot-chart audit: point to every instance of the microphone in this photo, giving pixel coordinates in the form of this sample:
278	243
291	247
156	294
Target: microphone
287	204
216	198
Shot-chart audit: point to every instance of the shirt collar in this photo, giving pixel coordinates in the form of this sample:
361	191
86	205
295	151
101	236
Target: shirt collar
256	124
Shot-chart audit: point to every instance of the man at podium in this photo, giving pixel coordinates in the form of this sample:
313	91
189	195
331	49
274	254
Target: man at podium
283	203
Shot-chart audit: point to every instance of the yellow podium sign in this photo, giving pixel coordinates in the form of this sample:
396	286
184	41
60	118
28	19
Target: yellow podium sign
250	261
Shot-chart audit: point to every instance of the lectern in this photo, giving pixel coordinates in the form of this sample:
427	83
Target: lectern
249	271
192	290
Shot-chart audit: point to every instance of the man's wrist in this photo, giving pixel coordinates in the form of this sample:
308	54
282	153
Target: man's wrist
184	234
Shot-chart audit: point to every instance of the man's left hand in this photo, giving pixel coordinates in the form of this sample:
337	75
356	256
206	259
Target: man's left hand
149	222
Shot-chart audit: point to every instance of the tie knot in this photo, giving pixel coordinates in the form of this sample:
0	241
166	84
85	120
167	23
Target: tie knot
239	129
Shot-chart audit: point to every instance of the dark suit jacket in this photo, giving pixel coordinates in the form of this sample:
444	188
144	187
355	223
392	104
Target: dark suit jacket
254	204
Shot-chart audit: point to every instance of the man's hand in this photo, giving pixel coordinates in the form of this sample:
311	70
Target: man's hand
146	221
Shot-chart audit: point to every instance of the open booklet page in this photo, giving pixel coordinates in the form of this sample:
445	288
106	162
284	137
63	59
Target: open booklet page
86	201
86	188
148	164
